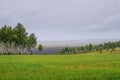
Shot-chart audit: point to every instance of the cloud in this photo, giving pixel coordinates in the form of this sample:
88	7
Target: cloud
63	19
111	24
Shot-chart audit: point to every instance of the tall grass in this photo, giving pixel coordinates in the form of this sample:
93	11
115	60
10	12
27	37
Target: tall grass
60	67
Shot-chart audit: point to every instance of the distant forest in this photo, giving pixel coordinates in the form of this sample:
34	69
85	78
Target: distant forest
15	40
108	46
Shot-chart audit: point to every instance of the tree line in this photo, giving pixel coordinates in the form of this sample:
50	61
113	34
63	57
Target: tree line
108	46
15	40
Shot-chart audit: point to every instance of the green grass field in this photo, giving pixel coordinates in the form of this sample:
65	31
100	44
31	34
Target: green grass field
60	67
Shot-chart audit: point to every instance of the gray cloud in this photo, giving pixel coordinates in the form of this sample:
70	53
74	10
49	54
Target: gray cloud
110	24
64	19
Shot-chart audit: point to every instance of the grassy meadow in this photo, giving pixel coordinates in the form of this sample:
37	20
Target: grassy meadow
60	67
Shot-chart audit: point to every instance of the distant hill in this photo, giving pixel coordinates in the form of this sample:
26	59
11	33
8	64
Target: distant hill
50	50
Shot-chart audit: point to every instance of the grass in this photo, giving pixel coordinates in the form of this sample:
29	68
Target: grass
60	67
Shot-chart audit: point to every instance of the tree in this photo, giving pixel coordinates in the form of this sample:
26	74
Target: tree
20	36
108	46
87	48
15	40
82	48
4	32
100	47
31	42
90	47
6	37
40	48
78	49
67	50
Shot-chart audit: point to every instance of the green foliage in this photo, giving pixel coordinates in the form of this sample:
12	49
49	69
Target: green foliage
5	34
91	48
21	34
15	40
40	48
60	67
31	42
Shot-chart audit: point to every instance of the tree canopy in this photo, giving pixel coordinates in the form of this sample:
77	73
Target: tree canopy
15	40
91	48
40	48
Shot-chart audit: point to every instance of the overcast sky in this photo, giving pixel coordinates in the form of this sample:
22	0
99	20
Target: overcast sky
64	19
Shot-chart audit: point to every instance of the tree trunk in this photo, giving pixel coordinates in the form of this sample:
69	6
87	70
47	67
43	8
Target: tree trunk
31	52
